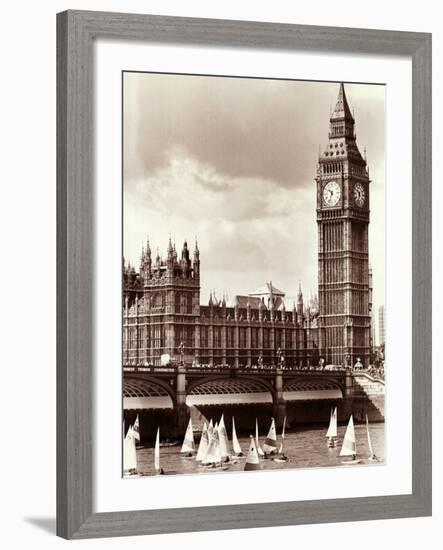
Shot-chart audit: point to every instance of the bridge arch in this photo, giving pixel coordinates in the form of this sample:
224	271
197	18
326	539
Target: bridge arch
142	393
229	391
312	389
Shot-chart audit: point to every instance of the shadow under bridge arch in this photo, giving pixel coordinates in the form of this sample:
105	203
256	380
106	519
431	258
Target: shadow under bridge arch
230	391
315	389
142	394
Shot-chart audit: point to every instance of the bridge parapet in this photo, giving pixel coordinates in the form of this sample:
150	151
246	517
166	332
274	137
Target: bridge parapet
227	370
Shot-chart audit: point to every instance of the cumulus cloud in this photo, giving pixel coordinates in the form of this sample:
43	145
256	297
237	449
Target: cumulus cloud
232	162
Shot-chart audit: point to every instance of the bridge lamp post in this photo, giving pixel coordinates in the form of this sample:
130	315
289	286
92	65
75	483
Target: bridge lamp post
181	349
281	358
260	361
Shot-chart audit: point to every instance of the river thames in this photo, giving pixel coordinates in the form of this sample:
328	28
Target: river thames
304	447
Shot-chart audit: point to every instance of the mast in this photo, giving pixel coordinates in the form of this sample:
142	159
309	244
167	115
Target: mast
157	451
371	450
282	436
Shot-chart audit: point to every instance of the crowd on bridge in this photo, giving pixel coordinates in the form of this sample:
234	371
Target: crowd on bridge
374	371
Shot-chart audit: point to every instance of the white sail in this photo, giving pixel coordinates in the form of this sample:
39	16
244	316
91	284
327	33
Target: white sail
157	451
203	446
349	447
136	429
259	449
332	429
270	443
188	442
280	450
129	453
252	460
235	443
217	451
210	428
213	455
371	450
223	438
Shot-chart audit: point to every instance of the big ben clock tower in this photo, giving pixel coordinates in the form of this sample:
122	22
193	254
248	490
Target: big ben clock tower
343	265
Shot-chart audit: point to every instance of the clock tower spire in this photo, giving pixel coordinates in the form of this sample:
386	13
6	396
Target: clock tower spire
343	261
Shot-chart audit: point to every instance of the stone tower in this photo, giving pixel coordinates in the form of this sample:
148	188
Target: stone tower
343	264
164	305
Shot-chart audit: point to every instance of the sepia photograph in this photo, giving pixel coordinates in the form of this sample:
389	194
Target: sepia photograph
253	274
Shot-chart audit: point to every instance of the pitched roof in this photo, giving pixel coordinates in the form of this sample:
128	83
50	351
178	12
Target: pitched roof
342	109
266	289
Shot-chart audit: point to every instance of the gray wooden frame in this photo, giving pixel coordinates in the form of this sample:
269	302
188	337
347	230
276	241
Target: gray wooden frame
76	31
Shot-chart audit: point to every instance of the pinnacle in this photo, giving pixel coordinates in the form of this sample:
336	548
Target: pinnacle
342	109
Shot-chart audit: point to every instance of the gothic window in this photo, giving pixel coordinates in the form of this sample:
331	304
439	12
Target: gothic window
204	336
288	339
217	337
277	338
186	335
242	337
159	299
266	339
189	303
158	336
254	337
229	337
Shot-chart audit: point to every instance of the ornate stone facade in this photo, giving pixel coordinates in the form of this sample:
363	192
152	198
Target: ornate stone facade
343	262
162	314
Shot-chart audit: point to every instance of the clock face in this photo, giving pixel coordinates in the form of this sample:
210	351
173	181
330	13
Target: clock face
359	194
331	193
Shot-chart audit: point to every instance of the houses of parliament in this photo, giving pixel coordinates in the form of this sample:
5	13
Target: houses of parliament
163	316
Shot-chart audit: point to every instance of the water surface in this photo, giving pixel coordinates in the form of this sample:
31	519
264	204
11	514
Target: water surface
305	448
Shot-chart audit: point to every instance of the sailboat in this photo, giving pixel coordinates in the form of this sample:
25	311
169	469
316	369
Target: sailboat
188	446
203	446
259	449
281	455
372	456
157	453
223	440
130	455
270	445
252	460
213	458
136	430
235	443
349	447
331	434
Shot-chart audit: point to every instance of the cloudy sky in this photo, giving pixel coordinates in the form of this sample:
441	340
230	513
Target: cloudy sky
232	162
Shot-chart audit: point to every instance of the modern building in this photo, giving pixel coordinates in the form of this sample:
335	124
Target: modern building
163	318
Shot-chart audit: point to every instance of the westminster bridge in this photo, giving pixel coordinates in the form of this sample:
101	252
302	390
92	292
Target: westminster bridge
169	394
